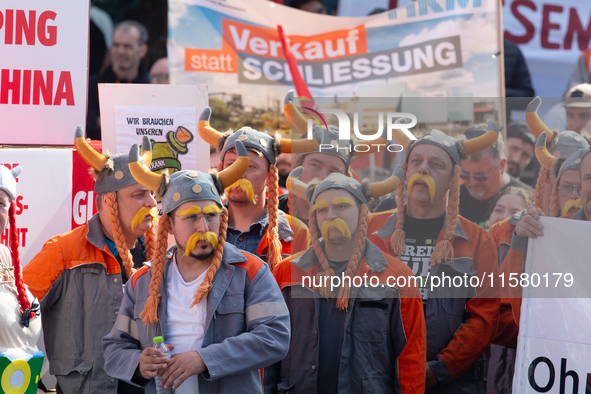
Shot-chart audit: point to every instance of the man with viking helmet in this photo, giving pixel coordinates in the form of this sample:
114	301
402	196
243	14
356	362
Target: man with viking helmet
356	337
218	307
78	276
550	146
429	235
333	155
255	224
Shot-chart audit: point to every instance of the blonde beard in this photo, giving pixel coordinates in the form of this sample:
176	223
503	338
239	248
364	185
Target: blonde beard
209	236
246	187
141	215
337	223
570	204
428	179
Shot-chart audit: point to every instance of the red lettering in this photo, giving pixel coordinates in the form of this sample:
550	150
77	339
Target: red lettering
23	233
43	86
575	26
23	27
8	27
547	26
26	87
530	29
51	38
4	237
64	89
18	201
1	20
8	85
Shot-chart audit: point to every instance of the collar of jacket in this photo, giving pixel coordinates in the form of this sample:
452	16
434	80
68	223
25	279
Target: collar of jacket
372	254
283	228
579	215
95	233
390	225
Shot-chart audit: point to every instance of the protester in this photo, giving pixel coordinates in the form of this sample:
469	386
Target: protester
574	113
520	147
78	276
159	71
20	322
314	6
341	337
255	224
283	170
511	200
517	78
218	308
582	71
429	235
130	45
484	177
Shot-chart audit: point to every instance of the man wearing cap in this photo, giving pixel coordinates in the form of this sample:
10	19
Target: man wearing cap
78	276
356	337
218	307
520	147
255	223
484	177
574	113
333	155
430	236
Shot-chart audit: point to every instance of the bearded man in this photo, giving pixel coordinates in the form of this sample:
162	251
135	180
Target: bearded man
218	308
78	276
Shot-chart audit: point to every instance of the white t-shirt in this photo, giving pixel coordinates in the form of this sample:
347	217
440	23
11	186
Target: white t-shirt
185	327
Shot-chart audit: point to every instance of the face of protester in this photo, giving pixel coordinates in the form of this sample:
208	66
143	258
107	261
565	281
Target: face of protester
126	51
506	206
159	72
337	205
570	179
519	154
257	175
585	169
183	227
130	200
4	206
432	161
314	6
486	176
577	118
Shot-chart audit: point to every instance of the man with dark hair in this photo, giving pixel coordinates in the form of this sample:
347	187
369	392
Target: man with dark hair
483	175
130	45
520	147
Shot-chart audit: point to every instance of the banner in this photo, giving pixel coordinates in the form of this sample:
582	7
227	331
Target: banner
551	34
554	343
443	46
44	71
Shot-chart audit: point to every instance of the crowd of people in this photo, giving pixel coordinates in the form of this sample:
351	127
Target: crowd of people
260	291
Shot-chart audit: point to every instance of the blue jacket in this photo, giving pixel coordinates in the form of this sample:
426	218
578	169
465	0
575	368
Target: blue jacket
247	326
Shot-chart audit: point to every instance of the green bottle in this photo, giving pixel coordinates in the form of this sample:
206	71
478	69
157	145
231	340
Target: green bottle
165	154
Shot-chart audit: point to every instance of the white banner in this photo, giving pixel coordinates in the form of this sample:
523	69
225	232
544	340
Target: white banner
44	196
44	71
554	344
551	35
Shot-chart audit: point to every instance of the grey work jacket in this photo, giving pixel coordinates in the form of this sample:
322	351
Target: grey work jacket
247	326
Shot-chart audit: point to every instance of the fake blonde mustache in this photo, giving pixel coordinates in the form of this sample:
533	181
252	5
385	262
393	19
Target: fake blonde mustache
572	204
141	214
337	223
209	236
428	179
246	187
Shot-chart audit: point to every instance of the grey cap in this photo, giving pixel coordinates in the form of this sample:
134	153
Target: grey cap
253	139
8	180
340	181
568	143
189	185
573	162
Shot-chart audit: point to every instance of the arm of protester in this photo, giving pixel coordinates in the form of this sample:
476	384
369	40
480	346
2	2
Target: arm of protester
473	337
122	347
43	274
412	361
267	335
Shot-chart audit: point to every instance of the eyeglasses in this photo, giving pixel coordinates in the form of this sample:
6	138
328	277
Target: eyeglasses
477	178
212	217
567	190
